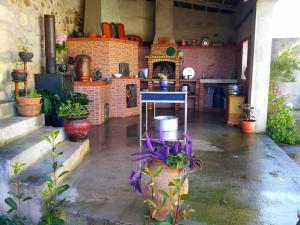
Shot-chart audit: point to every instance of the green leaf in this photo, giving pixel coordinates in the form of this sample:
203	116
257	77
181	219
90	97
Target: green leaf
184	197
47	139
12	193
157	171
11	203
150	202
54	165
54	134
164	193
61	189
63	173
183	178
170	218
48	179
27	198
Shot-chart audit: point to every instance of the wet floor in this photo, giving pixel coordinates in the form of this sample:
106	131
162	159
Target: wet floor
246	179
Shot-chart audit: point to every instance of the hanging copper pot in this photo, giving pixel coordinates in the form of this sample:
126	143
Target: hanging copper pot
82	63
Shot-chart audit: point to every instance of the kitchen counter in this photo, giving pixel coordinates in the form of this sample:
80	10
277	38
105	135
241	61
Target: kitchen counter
218	81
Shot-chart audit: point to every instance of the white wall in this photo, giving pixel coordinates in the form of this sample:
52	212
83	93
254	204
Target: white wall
286	19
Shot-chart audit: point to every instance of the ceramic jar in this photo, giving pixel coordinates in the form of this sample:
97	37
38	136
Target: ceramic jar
82	63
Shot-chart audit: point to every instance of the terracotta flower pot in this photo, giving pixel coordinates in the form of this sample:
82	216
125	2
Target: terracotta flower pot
168	174
29	110
77	128
29	101
247	126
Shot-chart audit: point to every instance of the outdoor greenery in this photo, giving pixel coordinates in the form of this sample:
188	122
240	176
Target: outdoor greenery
15	199
34	94
51	213
54	189
51	103
73	105
174	196
72	109
281	125
247	112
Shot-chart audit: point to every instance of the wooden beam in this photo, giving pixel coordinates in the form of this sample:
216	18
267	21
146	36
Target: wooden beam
210	4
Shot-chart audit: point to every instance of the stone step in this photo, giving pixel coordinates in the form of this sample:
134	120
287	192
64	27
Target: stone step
28	149
13	128
7	109
32	177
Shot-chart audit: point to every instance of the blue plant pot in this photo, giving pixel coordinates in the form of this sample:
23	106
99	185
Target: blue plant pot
163	85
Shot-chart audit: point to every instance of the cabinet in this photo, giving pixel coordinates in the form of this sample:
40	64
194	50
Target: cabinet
234	111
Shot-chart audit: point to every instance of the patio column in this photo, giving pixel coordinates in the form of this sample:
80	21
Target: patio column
259	81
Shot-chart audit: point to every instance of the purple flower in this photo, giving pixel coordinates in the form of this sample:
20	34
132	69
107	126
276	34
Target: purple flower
148	143
135	181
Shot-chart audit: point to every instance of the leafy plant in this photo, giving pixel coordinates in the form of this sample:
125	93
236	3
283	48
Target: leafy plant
34	94
15	199
79	98
72	110
173	196
171	154
281	127
247	112
284	67
51	103
162	76
53	189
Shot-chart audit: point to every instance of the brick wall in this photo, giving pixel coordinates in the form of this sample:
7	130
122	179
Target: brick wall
113	93
199	58
118	105
106	53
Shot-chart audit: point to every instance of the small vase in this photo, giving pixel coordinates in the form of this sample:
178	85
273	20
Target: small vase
163	85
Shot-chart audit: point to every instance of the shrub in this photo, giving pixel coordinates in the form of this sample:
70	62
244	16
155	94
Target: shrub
281	127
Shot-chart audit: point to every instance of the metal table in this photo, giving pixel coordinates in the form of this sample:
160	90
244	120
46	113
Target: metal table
157	97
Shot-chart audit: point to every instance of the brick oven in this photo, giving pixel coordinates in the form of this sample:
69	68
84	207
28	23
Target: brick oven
159	62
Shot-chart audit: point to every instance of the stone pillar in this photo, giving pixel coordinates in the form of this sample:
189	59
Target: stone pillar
98	11
259	81
164	20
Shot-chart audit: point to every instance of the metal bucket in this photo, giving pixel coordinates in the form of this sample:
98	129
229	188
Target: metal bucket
166	123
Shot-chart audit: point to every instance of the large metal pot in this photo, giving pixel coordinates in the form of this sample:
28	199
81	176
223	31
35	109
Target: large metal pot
233	89
166	123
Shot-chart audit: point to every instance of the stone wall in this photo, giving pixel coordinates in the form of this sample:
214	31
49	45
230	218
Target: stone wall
21	26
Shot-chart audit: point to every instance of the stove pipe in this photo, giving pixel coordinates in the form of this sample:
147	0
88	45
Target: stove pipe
49	25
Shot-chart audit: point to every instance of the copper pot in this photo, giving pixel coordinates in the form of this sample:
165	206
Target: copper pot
82	63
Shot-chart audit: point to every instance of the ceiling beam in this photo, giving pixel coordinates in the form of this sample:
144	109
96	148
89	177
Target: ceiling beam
210	4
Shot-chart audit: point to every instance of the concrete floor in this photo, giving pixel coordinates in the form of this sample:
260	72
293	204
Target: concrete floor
246	179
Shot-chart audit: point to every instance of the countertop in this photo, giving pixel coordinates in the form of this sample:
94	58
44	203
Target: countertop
218	81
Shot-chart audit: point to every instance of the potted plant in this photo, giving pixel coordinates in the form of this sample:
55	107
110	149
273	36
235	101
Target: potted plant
248	120
75	113
163	83
30	105
18	74
25	55
162	179
51	103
